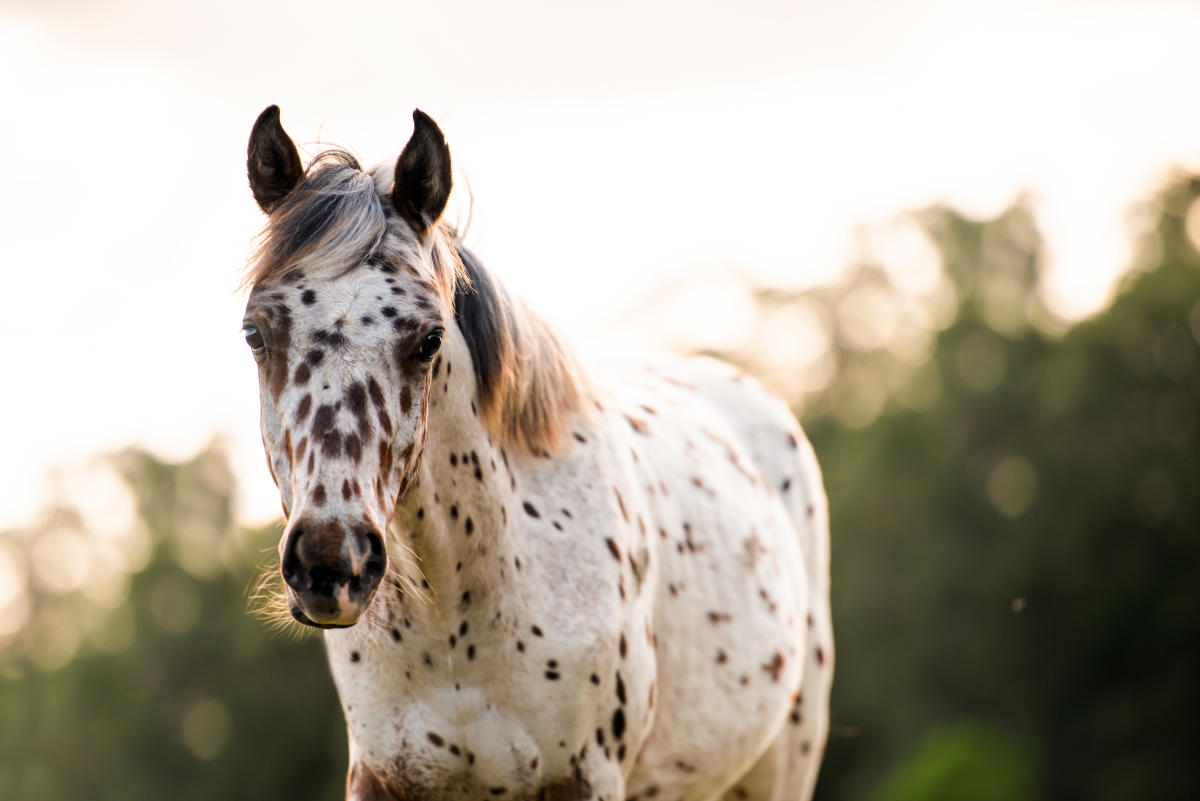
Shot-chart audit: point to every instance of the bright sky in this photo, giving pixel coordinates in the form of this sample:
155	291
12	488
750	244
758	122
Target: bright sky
611	148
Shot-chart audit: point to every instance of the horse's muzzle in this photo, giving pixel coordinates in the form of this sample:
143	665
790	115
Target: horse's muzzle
331	572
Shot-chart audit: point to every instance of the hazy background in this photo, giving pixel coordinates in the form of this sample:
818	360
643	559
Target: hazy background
910	218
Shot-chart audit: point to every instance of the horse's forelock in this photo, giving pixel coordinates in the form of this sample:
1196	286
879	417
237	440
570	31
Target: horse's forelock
333	218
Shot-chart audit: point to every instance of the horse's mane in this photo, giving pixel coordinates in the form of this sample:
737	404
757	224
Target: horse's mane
340	216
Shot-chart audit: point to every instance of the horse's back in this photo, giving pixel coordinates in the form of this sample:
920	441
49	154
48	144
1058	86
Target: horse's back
742	613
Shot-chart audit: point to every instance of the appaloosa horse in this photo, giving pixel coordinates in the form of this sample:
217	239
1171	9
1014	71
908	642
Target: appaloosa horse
535	584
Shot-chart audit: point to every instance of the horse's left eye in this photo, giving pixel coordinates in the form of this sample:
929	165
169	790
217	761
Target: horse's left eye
429	347
255	340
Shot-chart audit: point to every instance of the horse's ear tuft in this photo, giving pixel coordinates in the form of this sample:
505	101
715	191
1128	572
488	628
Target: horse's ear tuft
423	175
271	161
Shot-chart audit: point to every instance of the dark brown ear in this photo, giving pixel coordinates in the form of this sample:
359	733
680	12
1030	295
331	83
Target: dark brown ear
271	160
423	175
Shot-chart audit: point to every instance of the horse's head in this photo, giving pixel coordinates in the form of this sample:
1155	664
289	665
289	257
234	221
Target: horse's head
351	294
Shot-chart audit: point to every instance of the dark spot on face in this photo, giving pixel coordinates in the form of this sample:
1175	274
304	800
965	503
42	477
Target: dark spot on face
435	739
355	656
308	297
620	689
347	493
536	631
819	653
530	510
303	373
318	495
470	527
552	675
594	679
332	338
388	311
405	400
622	647
366	319
303	408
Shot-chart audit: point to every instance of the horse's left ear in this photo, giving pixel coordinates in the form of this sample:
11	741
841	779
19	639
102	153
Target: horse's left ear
423	175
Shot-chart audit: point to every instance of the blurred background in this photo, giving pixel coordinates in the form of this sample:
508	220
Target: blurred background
962	239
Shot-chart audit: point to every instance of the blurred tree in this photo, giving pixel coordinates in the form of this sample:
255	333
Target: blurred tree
1015	559
187	696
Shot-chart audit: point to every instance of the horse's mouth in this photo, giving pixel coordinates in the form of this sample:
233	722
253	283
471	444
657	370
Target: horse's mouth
304	619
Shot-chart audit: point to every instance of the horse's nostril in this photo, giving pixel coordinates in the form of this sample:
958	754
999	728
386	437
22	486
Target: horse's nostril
376	559
291	567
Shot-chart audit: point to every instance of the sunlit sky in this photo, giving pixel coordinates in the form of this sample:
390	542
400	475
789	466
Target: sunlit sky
611	149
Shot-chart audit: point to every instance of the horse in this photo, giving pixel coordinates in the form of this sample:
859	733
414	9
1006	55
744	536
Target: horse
535	582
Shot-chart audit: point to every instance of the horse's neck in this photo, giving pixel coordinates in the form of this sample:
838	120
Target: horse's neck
457	517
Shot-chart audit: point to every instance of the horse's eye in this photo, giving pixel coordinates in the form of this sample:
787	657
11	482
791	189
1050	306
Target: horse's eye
255	340
429	347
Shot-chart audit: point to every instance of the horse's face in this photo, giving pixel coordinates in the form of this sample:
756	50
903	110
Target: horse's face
345	355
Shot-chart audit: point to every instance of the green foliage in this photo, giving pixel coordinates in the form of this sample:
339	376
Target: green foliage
959	762
1026	554
194	699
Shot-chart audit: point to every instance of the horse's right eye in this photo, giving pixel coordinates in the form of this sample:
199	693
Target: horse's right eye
255	340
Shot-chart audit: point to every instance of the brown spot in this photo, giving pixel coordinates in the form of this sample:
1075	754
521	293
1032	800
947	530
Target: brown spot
621	503
614	549
435	739
530	510
304	407
819	653
374	391
775	666
318	495
638	425
405	400
722	657
618	723
718	617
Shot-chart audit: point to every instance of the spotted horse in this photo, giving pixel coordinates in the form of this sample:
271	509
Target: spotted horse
535	583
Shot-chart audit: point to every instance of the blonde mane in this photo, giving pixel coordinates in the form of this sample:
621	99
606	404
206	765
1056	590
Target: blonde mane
339	217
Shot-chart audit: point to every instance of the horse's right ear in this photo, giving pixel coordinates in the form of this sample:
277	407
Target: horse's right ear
271	161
